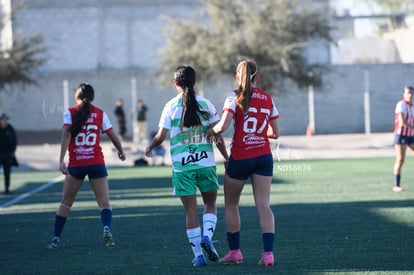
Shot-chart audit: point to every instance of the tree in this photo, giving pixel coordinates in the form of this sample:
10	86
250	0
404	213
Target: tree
18	61
275	34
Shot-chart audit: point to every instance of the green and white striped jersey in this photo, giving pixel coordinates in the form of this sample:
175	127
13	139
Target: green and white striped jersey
188	146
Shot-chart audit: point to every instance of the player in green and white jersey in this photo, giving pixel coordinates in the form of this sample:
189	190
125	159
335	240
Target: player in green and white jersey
187	117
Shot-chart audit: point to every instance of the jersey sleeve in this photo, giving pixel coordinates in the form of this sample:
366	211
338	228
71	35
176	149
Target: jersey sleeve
165	119
400	108
212	109
230	104
67	118
275	112
106	123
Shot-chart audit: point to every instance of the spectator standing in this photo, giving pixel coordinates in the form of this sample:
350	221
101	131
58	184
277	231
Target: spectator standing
141	126
120	116
8	145
158	151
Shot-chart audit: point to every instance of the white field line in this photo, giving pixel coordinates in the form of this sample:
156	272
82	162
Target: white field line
34	191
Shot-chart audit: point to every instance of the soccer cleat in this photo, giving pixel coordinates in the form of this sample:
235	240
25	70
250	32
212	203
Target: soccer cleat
54	243
267	259
232	257
397	189
200	260
107	235
209	248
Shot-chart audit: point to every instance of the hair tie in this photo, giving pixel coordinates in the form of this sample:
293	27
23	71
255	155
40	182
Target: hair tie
252	75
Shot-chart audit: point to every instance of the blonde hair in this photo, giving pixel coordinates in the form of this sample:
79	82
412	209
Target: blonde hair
247	72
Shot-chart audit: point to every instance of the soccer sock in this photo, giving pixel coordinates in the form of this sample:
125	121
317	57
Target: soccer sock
397	179
233	240
59	224
106	217
194	238
268	241
209	225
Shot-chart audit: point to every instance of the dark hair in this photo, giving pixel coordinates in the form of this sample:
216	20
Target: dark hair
247	71
185	77
86	94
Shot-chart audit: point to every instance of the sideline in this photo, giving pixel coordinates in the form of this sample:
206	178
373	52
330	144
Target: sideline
34	191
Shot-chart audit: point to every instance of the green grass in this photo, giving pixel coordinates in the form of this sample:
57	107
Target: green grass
332	216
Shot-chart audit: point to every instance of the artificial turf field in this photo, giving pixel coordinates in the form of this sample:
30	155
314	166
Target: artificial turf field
332	216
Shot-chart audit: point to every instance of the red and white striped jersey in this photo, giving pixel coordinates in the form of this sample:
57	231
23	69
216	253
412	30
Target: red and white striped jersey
250	129
85	148
407	110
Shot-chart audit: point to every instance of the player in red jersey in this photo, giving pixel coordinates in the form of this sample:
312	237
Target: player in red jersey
255	121
82	127
403	133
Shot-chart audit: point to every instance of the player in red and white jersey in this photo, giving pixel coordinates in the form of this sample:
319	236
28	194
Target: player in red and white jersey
250	136
403	133
255	121
85	148
82	127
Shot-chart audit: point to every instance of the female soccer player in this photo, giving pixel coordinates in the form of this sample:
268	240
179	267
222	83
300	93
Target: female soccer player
188	117
253	111
82	126
403	133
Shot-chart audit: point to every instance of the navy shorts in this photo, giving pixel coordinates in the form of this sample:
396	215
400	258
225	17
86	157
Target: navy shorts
403	140
242	169
93	171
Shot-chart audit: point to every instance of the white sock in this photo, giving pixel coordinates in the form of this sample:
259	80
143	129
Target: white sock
194	238
209	225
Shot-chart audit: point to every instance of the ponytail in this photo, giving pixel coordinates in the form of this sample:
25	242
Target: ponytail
185	77
86	94
246	71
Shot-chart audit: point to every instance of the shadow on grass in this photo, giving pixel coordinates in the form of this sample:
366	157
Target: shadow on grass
345	236
149	228
311	238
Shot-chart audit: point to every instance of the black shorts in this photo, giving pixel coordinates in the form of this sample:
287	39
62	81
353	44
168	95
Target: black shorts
93	171
242	169
403	140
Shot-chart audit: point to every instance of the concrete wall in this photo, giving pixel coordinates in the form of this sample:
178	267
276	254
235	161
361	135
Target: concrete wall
109	42
99	34
339	105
